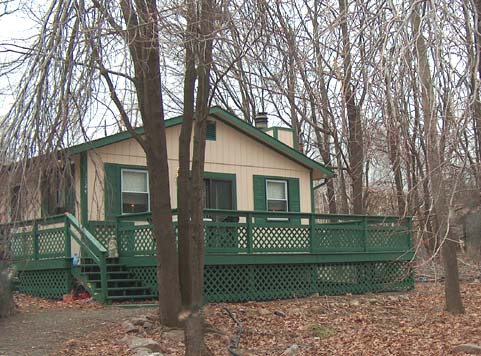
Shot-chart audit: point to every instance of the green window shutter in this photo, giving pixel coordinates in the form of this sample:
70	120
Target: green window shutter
70	199
294	197
112	191
260	195
210	133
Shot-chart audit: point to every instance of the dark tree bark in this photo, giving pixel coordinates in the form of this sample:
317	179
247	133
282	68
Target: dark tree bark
355	141
183	180
393	145
199	43
143	42
439	193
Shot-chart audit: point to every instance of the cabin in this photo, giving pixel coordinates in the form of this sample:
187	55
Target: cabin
263	238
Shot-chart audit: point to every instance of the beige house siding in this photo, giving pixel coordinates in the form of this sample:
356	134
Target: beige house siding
29	204
232	152
283	135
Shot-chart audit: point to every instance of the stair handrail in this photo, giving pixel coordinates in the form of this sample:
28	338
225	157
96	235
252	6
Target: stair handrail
98	250
94	249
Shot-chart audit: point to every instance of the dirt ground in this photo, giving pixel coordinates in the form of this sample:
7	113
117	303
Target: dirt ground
39	328
411	323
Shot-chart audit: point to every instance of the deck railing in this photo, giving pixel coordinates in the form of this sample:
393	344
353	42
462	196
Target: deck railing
248	232
50	238
249	255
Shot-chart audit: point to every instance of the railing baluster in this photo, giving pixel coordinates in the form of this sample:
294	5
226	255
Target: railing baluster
103	277
68	245
312	223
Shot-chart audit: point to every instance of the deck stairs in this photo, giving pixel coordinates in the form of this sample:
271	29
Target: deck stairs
122	284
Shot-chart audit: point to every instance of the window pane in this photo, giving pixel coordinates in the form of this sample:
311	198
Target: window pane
135	203
134	181
277	205
276	190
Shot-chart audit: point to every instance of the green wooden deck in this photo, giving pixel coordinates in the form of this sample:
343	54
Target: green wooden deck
248	256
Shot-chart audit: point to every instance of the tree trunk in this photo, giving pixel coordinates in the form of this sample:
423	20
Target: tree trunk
184	188
7	306
143	44
438	189
355	141
393	144
194	336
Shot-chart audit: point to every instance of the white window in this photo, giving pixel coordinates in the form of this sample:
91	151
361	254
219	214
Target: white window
276	195
135	191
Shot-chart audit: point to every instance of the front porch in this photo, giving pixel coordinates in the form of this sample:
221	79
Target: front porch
249	255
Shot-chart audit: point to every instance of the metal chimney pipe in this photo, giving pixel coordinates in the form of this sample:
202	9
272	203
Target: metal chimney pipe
261	121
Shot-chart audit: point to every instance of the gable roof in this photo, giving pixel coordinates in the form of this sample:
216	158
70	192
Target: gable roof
319	170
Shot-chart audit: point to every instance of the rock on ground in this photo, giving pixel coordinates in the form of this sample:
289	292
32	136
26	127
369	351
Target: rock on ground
468	349
139	321
291	350
145	352
135	342
174	335
128	326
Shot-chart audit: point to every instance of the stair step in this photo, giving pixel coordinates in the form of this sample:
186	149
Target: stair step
116	284
96	265
129	292
109	272
127	288
127	297
109	259
117	280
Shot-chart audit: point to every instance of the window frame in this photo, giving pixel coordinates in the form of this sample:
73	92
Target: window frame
286	191
144	171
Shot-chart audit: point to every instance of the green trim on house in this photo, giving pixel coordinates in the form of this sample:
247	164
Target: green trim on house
112	188
260	195
311	186
229	119
118	137
295	141
84	215
226	176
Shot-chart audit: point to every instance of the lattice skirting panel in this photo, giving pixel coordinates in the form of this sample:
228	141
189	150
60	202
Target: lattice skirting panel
49	284
268	282
148	275
235	283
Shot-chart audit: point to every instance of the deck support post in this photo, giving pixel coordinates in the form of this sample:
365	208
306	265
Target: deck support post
35	240
249	232
103	278
312	224
68	245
